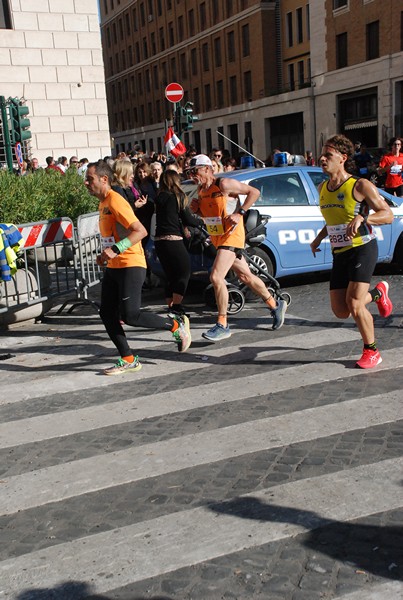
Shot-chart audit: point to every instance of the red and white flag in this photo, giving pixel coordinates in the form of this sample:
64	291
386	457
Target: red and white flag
173	144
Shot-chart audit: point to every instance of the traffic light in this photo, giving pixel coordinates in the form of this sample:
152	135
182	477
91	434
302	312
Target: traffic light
184	118
188	118
19	122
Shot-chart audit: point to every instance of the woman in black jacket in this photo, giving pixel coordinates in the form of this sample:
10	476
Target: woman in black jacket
172	215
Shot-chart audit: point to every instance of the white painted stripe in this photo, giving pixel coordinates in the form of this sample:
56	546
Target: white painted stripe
56	483
15	392
61	424
126	555
390	590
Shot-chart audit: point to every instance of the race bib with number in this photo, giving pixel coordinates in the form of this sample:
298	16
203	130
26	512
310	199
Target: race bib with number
107	242
214	225
338	236
396	169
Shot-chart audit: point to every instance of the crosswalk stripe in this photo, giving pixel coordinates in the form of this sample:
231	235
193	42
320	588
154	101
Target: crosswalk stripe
89	376
136	552
390	590
70	479
44	427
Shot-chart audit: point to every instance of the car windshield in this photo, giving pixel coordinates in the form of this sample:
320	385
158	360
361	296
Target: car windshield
283	189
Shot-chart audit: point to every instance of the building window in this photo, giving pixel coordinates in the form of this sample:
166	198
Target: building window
156	79
229	8
115	34
220	94
202	11
153	44
137	49
233	90
148	81
291	77
217	52
171	34
159	7
245	41
301	79
193	61
145	48
184	71
180	28
169	4
173	69
162	39
373	40
142	15
108	37
128	29
207	97
290	37
300	30
341	50
196	98
231	46
247	82
135	22
191	18
216	11
340	4
205	57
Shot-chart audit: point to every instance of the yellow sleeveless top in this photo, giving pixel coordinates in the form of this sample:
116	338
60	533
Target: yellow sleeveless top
339	207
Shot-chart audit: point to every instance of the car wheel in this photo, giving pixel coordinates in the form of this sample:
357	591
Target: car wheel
260	258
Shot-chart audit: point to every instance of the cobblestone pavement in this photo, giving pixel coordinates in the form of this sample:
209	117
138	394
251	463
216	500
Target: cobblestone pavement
263	467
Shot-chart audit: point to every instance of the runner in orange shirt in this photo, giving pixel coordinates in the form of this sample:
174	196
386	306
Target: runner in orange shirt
218	204
123	256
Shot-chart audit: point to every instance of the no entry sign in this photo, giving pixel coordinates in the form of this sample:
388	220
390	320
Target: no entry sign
174	92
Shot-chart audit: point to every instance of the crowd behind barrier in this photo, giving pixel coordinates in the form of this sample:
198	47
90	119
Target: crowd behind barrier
57	260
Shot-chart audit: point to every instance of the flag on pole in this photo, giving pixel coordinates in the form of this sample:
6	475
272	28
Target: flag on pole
173	144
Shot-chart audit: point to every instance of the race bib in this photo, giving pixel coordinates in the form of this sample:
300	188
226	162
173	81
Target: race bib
396	169
214	225
337	236
107	242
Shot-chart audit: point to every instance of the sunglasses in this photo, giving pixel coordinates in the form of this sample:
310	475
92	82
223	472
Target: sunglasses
217	155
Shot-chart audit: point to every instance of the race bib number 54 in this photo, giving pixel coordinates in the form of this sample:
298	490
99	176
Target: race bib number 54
338	236
214	225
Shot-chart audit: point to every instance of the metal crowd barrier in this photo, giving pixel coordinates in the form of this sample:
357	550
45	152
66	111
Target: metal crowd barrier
58	260
88	272
47	272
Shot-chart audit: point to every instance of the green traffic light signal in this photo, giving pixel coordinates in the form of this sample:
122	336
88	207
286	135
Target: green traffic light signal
19	121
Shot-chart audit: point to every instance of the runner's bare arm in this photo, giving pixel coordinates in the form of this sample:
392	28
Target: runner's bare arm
137	233
364	190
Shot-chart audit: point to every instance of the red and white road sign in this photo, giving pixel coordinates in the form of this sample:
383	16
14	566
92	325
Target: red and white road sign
174	92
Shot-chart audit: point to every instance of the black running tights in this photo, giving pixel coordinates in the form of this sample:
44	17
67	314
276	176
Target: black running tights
121	300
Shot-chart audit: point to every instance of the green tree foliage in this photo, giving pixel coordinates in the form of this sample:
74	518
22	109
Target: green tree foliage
41	196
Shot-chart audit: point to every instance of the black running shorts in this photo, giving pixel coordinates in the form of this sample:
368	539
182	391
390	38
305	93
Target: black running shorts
357	264
237	251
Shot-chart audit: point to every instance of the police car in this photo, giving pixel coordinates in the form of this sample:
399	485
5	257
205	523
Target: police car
289	196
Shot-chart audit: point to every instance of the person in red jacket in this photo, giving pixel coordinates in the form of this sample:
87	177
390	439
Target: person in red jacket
392	164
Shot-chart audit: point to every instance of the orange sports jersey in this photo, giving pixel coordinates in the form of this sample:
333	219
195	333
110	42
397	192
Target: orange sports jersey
115	216
212	206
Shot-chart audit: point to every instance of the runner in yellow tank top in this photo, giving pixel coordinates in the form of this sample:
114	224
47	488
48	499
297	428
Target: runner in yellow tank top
219	206
345	204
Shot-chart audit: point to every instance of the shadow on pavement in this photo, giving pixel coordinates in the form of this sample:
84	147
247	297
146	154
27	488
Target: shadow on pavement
73	590
375	549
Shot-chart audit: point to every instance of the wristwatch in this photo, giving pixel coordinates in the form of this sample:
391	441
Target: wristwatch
241	211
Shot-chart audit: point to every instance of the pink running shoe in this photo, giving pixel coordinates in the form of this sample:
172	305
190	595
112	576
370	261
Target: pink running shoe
384	303
369	359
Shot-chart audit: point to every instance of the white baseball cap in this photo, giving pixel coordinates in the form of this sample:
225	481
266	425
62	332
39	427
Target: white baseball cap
200	160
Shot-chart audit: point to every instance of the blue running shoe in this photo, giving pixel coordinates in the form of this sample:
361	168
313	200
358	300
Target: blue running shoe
278	314
217	333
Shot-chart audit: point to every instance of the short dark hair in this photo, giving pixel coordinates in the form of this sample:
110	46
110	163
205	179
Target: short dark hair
102	169
49	160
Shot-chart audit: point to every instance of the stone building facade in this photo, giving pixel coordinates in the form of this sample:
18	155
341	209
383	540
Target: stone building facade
50	54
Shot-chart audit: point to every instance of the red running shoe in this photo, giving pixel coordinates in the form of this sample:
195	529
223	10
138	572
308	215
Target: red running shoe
384	303
369	359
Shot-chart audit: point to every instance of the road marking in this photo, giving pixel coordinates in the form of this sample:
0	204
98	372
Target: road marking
122	556
61	424
85	378
56	483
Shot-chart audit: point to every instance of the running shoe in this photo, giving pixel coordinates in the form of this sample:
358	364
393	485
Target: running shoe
217	333
181	334
384	303
278	313
122	366
369	359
